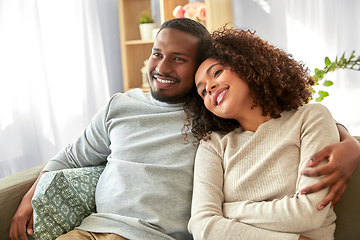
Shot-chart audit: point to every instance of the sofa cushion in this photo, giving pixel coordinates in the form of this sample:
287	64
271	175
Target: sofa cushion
62	199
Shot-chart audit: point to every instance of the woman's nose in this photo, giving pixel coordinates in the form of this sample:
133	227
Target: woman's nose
211	87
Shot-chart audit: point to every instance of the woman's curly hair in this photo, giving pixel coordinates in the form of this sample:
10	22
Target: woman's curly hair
277	82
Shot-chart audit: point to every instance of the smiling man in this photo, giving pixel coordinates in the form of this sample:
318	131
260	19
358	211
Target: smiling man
172	65
145	189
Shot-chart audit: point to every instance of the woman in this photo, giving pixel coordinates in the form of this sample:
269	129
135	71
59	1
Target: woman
257	136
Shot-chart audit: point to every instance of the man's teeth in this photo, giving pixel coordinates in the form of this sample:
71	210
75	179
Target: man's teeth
222	93
165	81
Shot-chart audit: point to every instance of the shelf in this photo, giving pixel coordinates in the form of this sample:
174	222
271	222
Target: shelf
139	42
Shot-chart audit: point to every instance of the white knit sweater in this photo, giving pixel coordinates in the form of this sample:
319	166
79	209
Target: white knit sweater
247	184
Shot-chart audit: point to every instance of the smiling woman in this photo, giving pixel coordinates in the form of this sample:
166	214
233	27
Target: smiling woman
51	66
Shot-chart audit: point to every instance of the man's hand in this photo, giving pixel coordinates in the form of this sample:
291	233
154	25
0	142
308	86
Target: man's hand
343	159
22	221
304	238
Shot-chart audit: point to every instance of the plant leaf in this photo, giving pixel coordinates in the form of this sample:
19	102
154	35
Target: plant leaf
327	61
328	83
322	95
319	74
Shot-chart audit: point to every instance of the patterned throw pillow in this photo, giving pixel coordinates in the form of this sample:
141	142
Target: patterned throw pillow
62	199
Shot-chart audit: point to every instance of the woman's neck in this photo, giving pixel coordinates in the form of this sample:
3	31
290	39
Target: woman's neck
252	119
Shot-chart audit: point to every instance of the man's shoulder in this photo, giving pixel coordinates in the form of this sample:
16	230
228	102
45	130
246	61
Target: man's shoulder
131	95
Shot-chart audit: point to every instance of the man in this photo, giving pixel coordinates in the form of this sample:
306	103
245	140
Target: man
145	189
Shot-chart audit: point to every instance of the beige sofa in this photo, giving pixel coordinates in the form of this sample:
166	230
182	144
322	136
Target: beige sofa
13	188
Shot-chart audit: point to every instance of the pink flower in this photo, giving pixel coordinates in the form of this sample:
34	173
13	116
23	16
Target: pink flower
178	12
190	13
201	12
195	11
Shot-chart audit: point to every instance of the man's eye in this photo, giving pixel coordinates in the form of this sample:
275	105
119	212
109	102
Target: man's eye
179	59
203	92
155	54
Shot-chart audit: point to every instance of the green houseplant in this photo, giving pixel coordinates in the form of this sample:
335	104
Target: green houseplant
352	63
146	25
145	17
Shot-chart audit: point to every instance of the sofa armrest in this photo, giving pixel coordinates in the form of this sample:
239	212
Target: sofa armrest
348	211
12	190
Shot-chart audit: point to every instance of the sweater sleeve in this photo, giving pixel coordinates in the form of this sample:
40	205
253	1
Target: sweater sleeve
296	213
91	148
207	220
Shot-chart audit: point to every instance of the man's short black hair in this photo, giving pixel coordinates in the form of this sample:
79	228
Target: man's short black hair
186	25
192	27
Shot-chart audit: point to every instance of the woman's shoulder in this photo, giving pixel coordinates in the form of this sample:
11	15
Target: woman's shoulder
314	107
312	110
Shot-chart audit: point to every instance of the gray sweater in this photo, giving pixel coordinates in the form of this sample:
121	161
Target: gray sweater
146	187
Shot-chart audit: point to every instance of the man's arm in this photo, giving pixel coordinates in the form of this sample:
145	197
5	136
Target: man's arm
90	149
22	221
343	158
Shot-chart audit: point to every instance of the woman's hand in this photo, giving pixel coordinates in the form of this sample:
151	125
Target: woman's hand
343	159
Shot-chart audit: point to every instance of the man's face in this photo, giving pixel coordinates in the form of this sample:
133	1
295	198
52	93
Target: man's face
172	65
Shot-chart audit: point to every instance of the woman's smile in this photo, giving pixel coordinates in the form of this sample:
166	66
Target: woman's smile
219	96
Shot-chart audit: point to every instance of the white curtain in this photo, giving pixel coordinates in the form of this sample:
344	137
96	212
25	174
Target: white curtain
311	30
53	77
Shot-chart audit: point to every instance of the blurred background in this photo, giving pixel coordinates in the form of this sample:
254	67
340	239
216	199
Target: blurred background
61	60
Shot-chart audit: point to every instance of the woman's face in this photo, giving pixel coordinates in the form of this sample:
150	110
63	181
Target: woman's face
225	94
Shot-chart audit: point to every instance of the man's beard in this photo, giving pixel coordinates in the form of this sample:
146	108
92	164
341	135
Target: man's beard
179	98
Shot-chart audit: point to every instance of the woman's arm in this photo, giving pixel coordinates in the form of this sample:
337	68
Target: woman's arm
343	158
295	213
207	220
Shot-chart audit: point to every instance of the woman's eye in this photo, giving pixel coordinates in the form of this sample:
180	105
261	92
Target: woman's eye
217	73
203	92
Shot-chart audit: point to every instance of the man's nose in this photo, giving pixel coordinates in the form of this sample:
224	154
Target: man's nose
163	66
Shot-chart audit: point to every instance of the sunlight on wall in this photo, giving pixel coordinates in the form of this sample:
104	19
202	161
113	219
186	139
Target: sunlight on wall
342	100
313	44
63	46
53	77
6	117
264	4
27	50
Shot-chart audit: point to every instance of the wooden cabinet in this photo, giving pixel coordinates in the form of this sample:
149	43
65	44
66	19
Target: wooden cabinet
135	51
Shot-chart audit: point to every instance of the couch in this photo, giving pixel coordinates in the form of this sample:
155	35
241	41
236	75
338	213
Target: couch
13	188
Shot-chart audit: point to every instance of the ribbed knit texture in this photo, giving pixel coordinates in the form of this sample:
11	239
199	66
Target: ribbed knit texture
247	184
